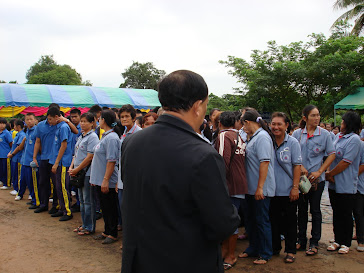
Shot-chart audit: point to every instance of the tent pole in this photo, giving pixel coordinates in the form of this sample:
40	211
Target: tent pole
334	116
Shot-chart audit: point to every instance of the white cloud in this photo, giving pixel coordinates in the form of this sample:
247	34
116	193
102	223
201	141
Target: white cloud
100	39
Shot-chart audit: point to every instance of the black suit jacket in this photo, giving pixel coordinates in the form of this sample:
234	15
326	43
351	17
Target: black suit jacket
176	208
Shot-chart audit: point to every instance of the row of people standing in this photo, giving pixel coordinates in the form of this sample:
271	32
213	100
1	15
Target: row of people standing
274	162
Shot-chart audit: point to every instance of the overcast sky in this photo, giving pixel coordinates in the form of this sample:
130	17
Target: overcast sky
100	39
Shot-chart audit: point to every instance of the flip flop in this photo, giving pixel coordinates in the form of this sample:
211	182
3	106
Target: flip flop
108	241
78	229
260	261
84	232
289	259
228	266
100	237
312	251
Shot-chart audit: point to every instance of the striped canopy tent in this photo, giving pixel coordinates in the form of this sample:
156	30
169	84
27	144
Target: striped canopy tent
35	98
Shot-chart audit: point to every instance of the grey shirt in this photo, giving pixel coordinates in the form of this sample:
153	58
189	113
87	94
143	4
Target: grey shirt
85	145
107	150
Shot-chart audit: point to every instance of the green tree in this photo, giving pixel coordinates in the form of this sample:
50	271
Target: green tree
47	71
142	76
286	78
356	11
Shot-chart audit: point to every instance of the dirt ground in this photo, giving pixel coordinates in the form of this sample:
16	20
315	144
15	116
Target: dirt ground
38	243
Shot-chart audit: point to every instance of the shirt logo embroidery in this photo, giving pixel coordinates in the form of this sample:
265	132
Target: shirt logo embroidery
30	142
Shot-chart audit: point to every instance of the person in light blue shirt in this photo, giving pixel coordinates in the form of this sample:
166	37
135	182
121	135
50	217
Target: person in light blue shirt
358	210
6	141
261	186
287	171
362	134
315	143
104	174
343	178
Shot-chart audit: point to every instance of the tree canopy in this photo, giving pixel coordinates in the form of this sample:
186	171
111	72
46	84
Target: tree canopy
356	11
287	77
142	76
47	71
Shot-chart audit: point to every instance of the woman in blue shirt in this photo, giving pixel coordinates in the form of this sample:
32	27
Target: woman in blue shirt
343	178
358	210
287	171
104	174
261	186
315	143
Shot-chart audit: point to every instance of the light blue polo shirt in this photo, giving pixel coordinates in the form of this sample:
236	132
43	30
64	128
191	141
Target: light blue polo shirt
126	133
347	149
314	149
362	133
5	140
63	133
45	132
287	156
17	141
107	150
243	134
29	147
332	136
260	149
85	145
361	177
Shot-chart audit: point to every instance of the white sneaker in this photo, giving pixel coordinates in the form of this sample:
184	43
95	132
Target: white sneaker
14	192
1	183
73	193
29	197
17	198
4	188
51	200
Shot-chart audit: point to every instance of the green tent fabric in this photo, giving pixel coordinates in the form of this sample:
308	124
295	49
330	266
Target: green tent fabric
352	102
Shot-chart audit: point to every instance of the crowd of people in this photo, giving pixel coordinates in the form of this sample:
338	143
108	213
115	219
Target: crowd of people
263	165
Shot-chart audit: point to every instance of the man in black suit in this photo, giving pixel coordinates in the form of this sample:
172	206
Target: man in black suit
176	209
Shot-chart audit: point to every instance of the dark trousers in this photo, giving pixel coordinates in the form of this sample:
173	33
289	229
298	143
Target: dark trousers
109	205
342	205
46	177
258	227
63	190
283	216
5	171
314	198
15	174
359	217
29	178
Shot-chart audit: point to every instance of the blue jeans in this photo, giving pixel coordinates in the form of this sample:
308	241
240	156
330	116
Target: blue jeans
87	206
258	227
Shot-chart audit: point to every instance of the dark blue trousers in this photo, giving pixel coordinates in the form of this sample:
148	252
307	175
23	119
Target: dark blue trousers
46	177
15	177
63	190
29	178
5	171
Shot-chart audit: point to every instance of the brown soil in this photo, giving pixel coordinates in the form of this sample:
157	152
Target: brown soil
38	243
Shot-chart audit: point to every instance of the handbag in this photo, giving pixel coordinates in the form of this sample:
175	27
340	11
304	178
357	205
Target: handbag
78	180
304	184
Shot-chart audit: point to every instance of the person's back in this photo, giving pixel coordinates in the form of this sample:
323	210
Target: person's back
176	209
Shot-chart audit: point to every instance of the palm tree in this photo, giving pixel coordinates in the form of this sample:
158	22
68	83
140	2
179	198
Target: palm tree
356	12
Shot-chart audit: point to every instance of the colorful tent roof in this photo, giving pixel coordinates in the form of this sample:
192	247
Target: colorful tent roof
38	95
353	101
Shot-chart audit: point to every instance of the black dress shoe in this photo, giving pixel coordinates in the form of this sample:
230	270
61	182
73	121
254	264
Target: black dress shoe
57	214
30	203
65	218
98	215
33	207
40	209
52	210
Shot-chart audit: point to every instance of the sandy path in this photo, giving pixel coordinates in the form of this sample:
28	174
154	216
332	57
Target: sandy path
38	243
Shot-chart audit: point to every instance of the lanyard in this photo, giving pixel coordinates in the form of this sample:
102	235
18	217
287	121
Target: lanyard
124	135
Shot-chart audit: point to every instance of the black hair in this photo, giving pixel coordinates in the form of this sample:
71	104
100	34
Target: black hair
213	110
110	120
352	122
138	111
305	112
237	115
285	118
89	117
11	123
53	111
155	110
54	105
140	119
105	108
129	109
181	89
206	130
19	122
30	114
252	115
75	111
3	120
337	126
116	110
95	109
227	119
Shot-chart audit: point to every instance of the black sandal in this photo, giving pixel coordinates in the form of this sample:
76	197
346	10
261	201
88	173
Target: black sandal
312	251
289	259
